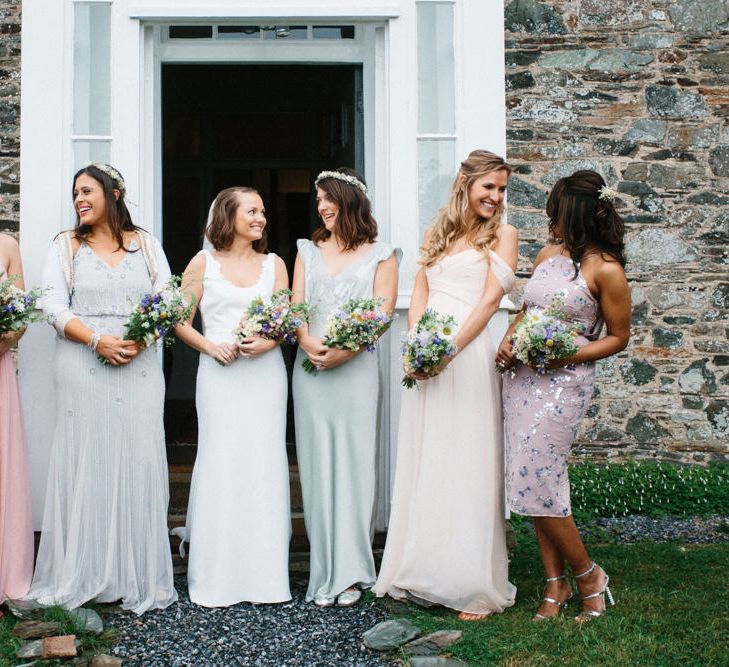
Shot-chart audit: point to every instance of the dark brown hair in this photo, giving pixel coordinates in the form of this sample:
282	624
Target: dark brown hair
585	221
221	230
117	213
355	224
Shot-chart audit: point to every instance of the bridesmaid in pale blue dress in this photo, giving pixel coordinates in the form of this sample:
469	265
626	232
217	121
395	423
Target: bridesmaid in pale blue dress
336	409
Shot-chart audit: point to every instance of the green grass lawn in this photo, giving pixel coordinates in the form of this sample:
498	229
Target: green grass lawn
672	608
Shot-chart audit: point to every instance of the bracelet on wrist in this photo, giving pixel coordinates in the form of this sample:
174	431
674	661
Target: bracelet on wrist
94	340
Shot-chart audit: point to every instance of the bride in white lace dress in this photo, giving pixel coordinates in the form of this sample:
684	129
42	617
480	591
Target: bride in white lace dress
238	517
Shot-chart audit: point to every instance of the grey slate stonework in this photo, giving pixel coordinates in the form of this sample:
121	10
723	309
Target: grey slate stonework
639	91
9	115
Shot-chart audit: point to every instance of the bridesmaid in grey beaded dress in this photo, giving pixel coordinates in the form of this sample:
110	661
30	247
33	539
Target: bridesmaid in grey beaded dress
336	409
104	534
542	412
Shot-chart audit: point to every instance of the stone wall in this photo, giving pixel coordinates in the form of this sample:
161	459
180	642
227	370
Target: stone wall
639	91
9	115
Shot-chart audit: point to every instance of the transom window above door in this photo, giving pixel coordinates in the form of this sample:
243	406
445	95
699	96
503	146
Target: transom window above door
258	32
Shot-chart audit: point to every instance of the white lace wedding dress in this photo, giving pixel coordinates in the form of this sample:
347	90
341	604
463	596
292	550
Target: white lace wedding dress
238	518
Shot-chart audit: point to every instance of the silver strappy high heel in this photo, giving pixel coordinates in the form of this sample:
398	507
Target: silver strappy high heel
594	613
561	605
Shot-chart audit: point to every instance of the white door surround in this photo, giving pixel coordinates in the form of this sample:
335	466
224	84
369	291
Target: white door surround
399	145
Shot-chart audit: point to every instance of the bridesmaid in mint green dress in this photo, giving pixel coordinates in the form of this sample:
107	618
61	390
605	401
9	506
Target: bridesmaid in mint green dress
336	409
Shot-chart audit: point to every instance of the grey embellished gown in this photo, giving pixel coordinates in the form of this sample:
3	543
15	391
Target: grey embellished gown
336	434
104	532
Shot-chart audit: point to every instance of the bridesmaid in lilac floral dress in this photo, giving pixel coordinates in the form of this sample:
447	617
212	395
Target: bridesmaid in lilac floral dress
543	412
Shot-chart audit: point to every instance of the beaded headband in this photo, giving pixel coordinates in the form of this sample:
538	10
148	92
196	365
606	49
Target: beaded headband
112	173
346	178
606	194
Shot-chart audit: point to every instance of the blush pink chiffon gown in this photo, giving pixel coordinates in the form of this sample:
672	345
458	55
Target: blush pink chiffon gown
16	523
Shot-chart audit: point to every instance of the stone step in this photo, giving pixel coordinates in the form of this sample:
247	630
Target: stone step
180	476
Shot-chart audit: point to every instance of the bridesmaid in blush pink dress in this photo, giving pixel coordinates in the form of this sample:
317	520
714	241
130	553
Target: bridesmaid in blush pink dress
542	412
16	524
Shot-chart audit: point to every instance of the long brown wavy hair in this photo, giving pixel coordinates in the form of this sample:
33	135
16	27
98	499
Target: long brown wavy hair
452	221
117	213
221	230
355	224
585	221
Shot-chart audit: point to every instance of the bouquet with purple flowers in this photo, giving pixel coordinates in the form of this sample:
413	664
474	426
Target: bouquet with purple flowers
157	315
18	308
358	323
428	343
544	334
277	319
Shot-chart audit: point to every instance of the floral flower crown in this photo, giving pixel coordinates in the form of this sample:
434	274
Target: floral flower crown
112	173
606	194
351	180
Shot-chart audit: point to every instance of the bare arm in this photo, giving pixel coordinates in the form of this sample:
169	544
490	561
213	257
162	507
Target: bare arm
192	283
311	345
615	303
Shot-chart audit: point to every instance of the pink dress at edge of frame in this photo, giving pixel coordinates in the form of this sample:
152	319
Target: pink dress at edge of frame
16	522
542	413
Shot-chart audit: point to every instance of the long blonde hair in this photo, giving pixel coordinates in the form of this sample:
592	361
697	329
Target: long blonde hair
451	223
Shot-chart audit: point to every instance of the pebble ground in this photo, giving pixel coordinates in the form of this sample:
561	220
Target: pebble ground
296	633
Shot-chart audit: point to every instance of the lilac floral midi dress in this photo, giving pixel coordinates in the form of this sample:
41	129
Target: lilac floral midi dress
542	412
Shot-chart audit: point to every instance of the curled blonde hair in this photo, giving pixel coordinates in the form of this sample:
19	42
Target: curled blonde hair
452	221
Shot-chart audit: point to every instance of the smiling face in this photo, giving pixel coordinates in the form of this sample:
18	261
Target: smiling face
327	208
89	200
487	193
250	217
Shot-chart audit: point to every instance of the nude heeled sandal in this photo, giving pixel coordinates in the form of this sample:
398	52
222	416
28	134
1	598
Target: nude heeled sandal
561	605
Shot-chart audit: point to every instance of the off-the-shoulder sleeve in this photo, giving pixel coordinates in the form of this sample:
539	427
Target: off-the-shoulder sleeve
163	266
56	303
502	272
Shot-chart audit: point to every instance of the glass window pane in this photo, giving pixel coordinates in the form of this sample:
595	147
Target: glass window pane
436	171
333	32
239	32
191	31
90	151
284	32
436	89
92	68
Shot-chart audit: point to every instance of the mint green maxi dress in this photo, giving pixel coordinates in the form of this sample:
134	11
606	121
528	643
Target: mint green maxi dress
336	434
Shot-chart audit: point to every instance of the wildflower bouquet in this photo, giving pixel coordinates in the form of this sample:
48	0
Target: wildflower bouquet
18	308
359	322
276	319
544	334
428	343
157	314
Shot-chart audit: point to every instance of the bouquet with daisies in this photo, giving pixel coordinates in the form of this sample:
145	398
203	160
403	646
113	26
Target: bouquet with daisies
276	319
545	334
18	308
358	323
428	343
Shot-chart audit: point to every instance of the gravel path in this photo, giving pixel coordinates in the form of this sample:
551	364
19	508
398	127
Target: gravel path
694	530
295	633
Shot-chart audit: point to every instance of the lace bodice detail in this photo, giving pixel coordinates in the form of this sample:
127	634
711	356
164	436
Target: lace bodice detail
223	303
325	293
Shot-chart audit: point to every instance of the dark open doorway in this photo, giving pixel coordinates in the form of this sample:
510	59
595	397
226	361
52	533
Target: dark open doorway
273	127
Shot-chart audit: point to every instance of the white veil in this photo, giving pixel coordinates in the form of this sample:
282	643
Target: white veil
206	244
